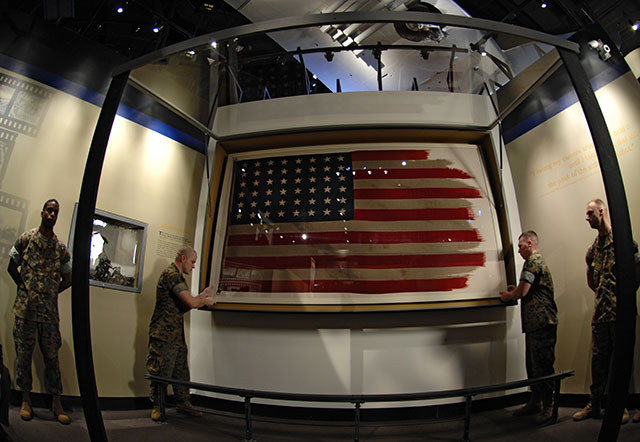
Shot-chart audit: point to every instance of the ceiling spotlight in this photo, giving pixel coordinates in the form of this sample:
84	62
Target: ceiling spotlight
156	29
543	5
635	26
120	10
424	52
483	53
328	56
214	44
604	51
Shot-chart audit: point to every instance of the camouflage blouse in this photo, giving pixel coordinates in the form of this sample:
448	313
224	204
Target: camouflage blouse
42	262
601	263
166	322
538	307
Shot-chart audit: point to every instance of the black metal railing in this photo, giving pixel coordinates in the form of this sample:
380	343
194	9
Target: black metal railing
358	399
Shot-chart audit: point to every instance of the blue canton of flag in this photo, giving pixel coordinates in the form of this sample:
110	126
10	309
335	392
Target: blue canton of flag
293	188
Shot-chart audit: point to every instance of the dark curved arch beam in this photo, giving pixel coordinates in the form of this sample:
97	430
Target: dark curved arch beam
336	18
622	243
80	312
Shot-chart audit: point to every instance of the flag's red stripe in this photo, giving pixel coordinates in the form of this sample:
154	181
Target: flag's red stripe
430	192
355	237
358	261
391	174
350	286
412	214
373	155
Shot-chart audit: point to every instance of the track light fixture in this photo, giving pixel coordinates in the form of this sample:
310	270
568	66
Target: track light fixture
604	51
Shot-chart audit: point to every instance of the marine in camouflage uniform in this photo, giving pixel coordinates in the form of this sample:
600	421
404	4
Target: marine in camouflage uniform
41	267
167	355
601	278
167	347
600	260
539	316
539	322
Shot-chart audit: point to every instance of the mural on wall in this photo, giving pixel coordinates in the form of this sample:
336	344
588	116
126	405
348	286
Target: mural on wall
23	106
384	225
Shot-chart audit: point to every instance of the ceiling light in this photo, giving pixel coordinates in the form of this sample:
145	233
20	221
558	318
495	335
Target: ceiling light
635	26
214	44
120	10
156	29
543	5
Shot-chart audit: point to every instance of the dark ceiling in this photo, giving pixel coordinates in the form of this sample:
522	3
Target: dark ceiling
130	33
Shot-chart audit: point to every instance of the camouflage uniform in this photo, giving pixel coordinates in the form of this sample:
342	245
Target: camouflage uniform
601	262
42	262
167	348
539	322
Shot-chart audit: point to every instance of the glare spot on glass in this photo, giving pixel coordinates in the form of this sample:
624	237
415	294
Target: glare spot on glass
281	236
404	163
364	168
479	211
369	172
386	172
304	236
99	222
243	170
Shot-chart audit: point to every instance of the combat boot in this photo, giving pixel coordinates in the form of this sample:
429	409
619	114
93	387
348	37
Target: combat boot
592	410
187	407
546	413
156	415
531	407
58	411
26	412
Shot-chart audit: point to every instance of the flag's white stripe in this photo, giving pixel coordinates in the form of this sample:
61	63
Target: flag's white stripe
397	164
346	249
422	183
339	226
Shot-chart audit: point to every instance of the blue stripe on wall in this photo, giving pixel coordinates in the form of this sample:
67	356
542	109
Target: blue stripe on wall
95	98
556	106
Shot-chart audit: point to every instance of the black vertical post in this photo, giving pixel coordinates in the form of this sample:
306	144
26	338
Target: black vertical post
467	418
80	312
377	54
247	419
620	372
356	436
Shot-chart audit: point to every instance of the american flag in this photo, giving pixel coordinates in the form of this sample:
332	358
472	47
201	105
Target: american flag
362	222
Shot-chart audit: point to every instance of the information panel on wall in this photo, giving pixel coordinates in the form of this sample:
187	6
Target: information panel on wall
360	224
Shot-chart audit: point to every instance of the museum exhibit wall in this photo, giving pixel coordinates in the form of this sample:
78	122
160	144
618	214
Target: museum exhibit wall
343	353
556	172
147	176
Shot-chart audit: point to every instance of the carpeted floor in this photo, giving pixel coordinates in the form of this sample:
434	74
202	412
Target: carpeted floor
136	426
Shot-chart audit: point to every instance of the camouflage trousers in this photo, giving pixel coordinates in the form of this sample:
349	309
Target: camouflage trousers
603	335
49	341
169	360
540	356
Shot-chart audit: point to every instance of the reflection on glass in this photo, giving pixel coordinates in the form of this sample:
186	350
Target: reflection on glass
116	252
365	226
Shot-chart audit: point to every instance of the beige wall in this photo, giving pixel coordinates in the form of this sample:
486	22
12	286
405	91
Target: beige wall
147	177
555	173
